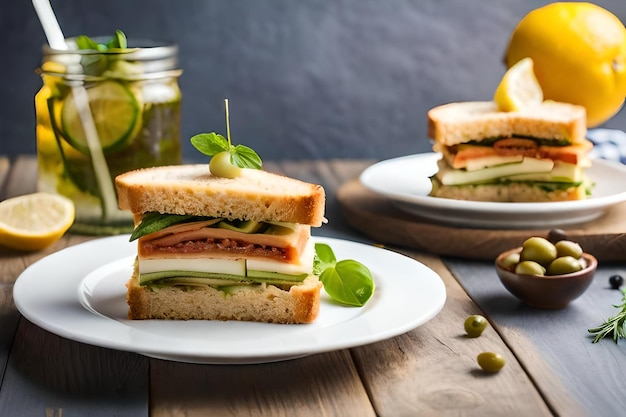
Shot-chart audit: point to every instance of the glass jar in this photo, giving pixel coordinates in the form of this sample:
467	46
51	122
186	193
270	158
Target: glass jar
133	121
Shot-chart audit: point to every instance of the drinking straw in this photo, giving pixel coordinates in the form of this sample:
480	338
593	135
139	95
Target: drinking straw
56	40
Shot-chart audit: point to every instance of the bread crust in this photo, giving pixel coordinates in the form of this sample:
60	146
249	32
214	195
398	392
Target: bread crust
455	123
191	189
267	303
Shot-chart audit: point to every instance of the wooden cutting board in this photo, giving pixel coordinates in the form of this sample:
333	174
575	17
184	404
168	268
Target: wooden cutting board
379	219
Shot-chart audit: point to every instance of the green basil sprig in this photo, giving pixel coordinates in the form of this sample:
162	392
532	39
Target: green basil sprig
212	144
346	281
240	155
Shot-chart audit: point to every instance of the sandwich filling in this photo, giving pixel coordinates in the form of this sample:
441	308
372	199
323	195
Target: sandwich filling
220	252
548	164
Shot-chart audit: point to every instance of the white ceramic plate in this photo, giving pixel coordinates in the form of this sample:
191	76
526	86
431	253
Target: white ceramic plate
405	180
79	293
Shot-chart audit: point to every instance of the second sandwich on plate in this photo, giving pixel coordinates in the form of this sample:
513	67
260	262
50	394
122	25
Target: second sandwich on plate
537	154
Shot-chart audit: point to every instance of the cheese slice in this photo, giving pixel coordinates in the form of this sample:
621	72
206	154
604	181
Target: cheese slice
220	266
489	161
450	176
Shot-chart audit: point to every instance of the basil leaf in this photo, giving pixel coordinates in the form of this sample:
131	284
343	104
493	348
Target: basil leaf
347	281
153	222
324	258
210	143
244	157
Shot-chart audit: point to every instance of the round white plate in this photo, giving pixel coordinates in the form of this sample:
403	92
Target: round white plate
405	180
79	293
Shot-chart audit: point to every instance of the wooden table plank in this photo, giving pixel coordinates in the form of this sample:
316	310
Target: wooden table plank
318	385
9	318
432	370
575	376
47	374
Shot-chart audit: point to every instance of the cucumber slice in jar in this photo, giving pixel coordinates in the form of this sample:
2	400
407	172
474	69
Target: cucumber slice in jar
116	114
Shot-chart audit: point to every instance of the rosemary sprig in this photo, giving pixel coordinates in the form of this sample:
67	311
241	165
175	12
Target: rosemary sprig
613	325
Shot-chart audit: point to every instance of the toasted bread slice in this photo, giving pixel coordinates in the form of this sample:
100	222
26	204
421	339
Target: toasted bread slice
510	192
456	123
192	189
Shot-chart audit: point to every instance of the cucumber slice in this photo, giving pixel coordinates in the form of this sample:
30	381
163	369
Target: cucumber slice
210	278
116	113
217	279
243	226
264	276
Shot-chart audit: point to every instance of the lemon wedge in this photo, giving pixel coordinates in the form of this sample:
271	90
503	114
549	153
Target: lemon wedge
34	221
519	88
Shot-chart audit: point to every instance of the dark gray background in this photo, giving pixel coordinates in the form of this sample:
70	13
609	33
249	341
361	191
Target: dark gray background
305	78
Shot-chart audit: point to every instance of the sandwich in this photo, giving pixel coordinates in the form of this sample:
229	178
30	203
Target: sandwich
215	248
536	154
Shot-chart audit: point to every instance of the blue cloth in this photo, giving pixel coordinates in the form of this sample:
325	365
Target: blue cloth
608	144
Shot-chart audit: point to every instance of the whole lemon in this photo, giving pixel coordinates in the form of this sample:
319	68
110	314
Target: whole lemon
579	55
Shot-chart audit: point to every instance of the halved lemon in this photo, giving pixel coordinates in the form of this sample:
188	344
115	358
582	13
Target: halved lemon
115	111
519	88
34	221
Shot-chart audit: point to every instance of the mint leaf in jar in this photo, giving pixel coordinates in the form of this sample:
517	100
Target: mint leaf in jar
108	61
118	41
347	281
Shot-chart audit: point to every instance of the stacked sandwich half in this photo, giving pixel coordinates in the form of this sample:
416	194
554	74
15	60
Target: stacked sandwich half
222	248
532	155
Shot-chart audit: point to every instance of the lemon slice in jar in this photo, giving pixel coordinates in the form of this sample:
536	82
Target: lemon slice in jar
34	221
116	114
519	88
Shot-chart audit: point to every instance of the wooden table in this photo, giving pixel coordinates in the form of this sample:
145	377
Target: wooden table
552	366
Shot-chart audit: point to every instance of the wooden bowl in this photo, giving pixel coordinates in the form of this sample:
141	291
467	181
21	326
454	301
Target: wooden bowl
546	291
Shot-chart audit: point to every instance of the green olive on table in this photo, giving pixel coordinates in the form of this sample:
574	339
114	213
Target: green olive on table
490	361
221	166
475	325
539	250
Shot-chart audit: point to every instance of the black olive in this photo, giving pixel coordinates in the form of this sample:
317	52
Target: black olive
556	235
616	281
